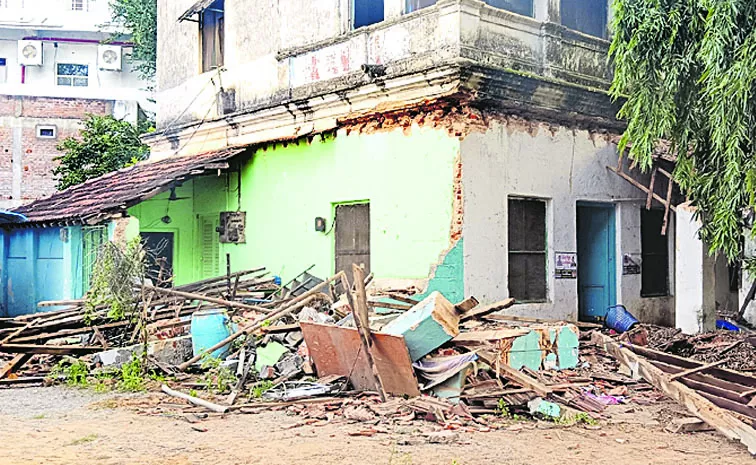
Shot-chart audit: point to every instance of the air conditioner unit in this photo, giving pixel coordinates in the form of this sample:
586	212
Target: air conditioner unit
30	52
110	57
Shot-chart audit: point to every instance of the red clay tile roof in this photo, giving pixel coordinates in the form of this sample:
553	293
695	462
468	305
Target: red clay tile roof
110	194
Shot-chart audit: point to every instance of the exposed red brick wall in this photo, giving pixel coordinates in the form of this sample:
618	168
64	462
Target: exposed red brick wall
44	107
38	155
7	105
6	152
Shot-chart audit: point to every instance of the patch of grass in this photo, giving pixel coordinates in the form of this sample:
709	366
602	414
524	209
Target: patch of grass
397	458
41	416
86	439
132	376
261	388
580	418
73	372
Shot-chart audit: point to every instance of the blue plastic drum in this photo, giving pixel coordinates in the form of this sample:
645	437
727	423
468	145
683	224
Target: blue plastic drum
210	327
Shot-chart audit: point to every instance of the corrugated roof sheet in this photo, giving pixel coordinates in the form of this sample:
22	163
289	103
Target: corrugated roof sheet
100	198
198	7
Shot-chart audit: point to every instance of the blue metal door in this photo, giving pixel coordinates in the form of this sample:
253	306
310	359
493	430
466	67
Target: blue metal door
596	260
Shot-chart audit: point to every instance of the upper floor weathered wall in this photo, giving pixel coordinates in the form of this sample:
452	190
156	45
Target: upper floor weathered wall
295	52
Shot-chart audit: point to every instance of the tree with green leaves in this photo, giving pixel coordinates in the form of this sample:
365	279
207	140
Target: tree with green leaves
105	144
139	19
687	70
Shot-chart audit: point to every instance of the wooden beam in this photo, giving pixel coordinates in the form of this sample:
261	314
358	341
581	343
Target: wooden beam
513	375
725	422
479	312
14	364
667	204
700	369
640	186
650	197
360	312
50	350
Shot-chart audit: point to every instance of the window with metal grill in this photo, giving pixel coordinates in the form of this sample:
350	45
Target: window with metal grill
527	249
654	255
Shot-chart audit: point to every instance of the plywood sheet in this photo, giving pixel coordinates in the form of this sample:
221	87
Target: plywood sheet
338	351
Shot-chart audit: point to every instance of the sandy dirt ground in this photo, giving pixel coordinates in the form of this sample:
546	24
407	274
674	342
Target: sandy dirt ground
62	426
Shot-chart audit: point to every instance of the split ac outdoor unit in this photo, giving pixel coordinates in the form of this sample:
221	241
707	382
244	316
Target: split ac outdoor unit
110	57
30	52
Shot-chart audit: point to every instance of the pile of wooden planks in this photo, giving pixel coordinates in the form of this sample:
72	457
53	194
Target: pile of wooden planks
72	330
724	399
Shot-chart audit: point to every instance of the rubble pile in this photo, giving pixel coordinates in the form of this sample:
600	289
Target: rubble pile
329	350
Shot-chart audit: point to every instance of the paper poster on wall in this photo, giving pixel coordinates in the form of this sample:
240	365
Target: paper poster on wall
630	265
566	265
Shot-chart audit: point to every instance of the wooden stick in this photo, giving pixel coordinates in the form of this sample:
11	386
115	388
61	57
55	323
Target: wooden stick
60	303
640	186
191	296
15	333
696	370
401	298
257	324
650	197
14	364
515	376
361	320
667	204
195	400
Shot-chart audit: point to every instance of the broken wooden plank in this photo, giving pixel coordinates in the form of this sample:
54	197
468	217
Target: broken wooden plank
516	376
721	373
358	301
14	364
700	369
492	335
466	305
50	350
480	312
687	425
723	421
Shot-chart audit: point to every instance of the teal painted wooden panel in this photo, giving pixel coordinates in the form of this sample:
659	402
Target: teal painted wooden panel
19	286
49	274
596	260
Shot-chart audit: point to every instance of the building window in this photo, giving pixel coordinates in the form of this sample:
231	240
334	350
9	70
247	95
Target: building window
523	7
212	36
47	132
367	12
527	249
72	75
654	255
587	16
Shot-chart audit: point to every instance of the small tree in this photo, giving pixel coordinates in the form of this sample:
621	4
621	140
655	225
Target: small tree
105	144
139	19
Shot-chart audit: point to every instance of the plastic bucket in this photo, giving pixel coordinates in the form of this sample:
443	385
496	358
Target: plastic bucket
208	328
619	319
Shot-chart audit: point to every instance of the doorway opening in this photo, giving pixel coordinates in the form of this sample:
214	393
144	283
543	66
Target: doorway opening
596	239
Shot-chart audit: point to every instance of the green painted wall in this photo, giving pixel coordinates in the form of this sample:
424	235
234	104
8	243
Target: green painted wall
449	276
408	180
208	195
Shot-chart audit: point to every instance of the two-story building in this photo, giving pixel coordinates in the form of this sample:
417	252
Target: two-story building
58	63
453	145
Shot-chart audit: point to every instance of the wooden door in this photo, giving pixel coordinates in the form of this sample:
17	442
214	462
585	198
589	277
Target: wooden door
596	263
352	237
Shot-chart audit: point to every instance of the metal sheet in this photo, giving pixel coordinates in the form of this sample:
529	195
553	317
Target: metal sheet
338	351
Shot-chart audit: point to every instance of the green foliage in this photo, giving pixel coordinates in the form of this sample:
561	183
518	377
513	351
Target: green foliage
218	379
139	19
84	440
687	69
73	372
577	419
132	375
116	273
261	388
105	144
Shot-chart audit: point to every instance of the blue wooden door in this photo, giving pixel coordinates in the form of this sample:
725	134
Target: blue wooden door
596	260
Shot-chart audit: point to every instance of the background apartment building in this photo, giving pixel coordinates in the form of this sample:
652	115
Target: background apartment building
57	64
